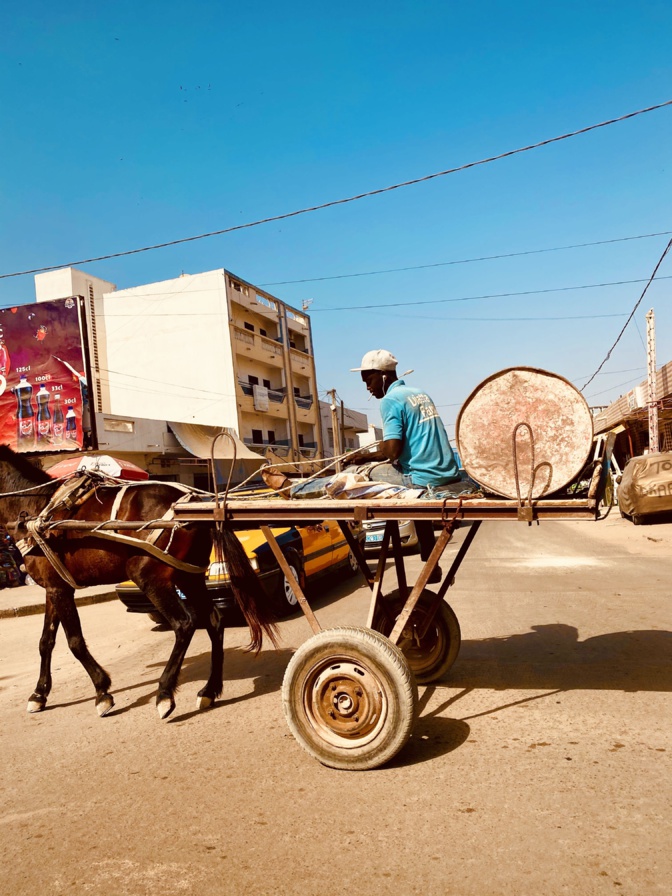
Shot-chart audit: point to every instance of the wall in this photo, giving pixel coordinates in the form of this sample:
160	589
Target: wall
168	352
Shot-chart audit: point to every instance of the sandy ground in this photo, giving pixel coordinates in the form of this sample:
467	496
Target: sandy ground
542	765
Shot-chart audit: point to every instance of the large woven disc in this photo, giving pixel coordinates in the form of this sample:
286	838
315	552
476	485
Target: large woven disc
553	432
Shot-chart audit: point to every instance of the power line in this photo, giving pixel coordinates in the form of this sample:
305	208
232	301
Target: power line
509	319
632	314
441	264
335	202
496	295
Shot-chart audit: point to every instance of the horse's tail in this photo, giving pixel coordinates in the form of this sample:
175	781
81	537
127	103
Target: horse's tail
247	591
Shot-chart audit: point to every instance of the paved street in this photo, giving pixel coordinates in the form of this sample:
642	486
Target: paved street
541	766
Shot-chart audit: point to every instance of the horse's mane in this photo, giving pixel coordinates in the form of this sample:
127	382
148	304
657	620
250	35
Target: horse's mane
20	470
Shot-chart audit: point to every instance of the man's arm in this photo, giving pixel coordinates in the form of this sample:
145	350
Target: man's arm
391	448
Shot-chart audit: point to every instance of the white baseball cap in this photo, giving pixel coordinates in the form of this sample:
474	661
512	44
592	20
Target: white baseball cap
378	359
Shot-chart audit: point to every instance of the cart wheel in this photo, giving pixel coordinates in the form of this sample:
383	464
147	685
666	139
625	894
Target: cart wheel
429	657
350	698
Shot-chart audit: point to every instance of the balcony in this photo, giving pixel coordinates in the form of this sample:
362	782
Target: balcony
304	401
272	346
254	345
273	394
280	447
300	360
243	336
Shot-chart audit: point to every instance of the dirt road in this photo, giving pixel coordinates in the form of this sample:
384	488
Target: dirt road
541	766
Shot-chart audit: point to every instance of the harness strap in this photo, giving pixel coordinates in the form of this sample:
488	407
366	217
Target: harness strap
142	545
117	502
33	529
74	492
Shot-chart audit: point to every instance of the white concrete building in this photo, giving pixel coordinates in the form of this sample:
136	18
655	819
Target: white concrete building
190	356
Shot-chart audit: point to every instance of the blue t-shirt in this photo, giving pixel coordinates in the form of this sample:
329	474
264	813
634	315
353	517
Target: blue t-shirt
410	416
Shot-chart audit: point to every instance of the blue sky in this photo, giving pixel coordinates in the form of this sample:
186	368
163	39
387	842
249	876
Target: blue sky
128	124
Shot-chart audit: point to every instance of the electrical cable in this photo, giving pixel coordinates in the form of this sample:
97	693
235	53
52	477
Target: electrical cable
441	264
335	202
496	295
632	314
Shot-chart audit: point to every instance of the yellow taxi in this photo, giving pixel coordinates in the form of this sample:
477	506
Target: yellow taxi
312	551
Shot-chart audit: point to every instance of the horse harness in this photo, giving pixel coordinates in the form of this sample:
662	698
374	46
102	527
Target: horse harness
73	493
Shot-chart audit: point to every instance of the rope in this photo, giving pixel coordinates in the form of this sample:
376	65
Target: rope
332	462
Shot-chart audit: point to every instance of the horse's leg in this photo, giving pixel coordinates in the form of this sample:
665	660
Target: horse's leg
166	594
213	689
214	625
38	699
63	599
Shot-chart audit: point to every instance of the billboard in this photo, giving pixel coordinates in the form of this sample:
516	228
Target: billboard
42	377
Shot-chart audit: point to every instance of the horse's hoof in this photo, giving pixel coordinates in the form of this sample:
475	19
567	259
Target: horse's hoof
164	707
104	704
35	705
203	702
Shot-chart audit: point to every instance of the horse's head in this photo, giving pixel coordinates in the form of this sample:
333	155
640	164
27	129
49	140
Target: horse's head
16	468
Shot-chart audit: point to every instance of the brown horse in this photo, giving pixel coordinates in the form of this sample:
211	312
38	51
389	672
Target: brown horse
181	598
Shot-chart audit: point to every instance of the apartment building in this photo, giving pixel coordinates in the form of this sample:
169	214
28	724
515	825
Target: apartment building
274	365
176	361
350	425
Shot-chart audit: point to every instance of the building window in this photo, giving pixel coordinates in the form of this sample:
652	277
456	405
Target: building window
257	437
300	441
118	425
266	383
248	326
271	437
330	436
297	392
262	331
253	380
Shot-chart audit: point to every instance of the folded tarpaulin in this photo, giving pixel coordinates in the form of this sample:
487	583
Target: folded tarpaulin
197	439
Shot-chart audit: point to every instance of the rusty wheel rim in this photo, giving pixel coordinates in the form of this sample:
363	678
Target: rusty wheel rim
345	701
422	653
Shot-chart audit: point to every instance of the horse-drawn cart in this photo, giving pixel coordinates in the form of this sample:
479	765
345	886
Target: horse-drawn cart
349	693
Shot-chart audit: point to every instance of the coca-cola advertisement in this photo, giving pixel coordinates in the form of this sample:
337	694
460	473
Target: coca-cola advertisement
43	385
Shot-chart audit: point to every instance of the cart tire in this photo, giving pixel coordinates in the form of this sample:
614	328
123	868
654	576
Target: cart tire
432	657
350	698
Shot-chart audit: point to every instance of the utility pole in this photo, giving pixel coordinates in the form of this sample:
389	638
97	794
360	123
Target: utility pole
651	368
335	427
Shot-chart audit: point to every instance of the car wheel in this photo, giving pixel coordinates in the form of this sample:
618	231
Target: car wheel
351	566
286	602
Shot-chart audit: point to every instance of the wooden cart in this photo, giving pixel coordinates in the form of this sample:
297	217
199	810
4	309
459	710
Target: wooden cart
350	693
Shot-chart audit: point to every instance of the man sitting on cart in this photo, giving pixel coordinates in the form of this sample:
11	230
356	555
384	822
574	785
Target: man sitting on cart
415	442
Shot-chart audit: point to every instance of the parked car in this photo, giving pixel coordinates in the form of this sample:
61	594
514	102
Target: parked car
645	489
311	552
375	529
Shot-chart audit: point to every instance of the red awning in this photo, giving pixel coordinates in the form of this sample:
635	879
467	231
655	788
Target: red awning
113	466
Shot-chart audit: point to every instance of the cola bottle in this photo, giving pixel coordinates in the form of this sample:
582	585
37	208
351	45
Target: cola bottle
4	358
25	415
43	416
71	425
58	420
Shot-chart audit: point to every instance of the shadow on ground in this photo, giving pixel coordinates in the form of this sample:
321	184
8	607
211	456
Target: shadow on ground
551	657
